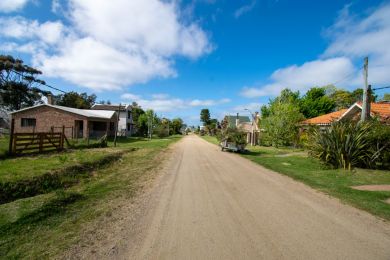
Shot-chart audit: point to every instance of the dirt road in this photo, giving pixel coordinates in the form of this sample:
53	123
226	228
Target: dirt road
216	205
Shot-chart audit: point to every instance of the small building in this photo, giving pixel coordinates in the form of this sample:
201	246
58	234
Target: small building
78	123
380	110
250	127
126	125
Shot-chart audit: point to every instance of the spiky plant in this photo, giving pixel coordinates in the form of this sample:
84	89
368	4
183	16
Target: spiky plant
342	145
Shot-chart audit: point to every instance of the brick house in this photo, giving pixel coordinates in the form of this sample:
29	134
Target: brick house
78	123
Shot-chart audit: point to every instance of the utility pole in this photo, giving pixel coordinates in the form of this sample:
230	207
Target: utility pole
150	126
117	124
366	100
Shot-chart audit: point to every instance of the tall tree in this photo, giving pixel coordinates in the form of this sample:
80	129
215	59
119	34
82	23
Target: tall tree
342	98
265	112
281	125
18	84
76	100
315	103
205	116
177	124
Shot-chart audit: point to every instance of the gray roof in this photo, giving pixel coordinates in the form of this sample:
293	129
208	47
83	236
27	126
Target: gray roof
110	107
89	113
232	120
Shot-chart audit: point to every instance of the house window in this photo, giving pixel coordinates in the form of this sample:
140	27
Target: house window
28	122
129	114
112	126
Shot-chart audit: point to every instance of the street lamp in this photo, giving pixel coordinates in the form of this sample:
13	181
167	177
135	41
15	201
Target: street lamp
253	130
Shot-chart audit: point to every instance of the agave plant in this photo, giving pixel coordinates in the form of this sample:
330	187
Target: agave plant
342	145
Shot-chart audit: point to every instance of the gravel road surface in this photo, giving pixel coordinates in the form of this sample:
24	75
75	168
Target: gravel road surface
210	204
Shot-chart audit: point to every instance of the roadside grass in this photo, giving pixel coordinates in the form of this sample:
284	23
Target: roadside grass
4	142
46	225
25	167
336	182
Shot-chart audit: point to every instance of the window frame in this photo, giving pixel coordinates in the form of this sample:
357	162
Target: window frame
28	122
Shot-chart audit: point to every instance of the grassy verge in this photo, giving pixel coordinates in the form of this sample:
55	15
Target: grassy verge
335	182
44	226
4	142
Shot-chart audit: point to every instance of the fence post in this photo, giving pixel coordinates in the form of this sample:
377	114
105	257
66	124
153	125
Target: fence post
11	137
40	142
62	137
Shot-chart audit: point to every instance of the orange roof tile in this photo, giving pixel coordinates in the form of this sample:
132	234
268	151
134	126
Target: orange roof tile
325	119
380	109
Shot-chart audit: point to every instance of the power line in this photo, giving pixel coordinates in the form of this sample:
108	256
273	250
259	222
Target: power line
42	83
381	88
346	77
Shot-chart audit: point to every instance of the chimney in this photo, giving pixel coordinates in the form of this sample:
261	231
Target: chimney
49	99
237	120
257	117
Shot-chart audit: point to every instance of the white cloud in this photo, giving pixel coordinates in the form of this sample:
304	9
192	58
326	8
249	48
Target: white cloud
23	29
93	64
351	39
357	38
165	103
56	6
245	9
160	96
110	44
208	102
313	73
130	96
7	6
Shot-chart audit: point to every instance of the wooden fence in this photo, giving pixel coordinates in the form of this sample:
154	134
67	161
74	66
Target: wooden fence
36	142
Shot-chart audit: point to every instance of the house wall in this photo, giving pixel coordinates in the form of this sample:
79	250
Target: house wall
46	118
124	119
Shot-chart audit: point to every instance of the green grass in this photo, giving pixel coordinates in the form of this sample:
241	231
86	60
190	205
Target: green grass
4	142
46	225
25	167
336	182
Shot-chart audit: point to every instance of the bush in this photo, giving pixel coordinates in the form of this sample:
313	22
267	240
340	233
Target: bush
161	131
232	135
351	144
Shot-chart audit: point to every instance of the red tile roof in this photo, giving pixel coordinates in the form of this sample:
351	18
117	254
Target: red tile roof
382	110
325	119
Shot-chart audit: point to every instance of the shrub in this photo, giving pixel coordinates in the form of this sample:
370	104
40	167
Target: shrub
351	144
161	131
233	135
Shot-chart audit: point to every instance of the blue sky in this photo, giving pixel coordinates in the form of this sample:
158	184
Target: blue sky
178	57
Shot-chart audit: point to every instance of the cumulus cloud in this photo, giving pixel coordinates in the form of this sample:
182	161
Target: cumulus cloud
351	39
7	6
23	29
110	44
165	103
313	73
356	38
208	102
